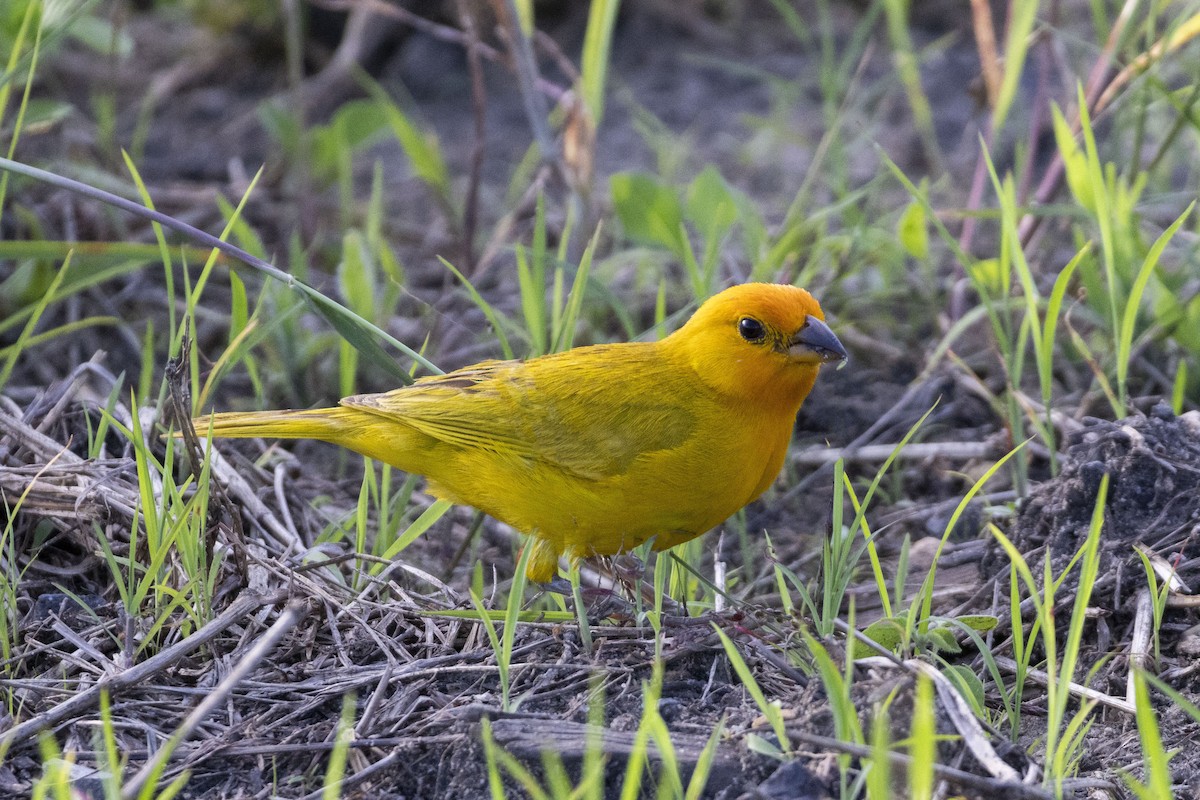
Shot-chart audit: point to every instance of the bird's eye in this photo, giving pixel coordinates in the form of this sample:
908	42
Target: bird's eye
751	329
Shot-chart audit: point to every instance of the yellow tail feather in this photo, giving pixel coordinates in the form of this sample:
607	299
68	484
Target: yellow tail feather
326	424
385	439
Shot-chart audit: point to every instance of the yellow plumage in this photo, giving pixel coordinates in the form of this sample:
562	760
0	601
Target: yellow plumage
596	450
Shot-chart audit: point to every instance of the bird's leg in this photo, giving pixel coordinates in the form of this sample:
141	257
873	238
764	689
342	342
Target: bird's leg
628	572
599	602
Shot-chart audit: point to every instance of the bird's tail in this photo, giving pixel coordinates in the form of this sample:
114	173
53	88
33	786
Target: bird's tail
375	436
326	424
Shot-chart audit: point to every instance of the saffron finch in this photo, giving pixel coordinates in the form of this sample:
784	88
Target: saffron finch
595	450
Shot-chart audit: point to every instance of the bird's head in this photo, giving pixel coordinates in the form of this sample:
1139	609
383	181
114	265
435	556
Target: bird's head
759	343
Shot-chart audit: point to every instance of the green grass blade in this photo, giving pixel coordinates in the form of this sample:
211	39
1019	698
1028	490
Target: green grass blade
492	315
361	333
593	63
1021	16
1134	301
18	347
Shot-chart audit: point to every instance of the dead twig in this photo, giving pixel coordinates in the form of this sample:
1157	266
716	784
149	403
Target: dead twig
955	451
1042	679
286	621
956	776
479	145
966	723
246	604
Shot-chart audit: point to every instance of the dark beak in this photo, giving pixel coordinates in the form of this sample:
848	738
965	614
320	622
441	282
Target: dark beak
816	343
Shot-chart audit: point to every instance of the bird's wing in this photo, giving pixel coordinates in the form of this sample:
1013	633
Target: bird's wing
585	413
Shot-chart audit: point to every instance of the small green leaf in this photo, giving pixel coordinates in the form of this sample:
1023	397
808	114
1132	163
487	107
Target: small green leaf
421	147
967	682
360	122
981	623
99	34
239	312
988	272
942	641
26	284
42	114
757	744
912	231
649	210
885	632
710	203
1074	162
284	128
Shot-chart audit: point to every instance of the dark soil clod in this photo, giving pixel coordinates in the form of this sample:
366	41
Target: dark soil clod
1153	467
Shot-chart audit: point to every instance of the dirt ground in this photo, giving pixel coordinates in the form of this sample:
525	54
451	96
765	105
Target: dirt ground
424	683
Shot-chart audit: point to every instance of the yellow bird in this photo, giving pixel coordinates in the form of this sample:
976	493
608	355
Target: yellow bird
598	449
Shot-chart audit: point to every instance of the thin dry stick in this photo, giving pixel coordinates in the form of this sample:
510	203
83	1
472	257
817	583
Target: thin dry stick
286	621
965	722
18	433
1096	83
289	524
887	418
238	610
1139	647
989	59
443	33
950	774
985	42
1167	44
970	222
528	81
365	773
955	451
1039	109
1042	679
478	146
244	493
